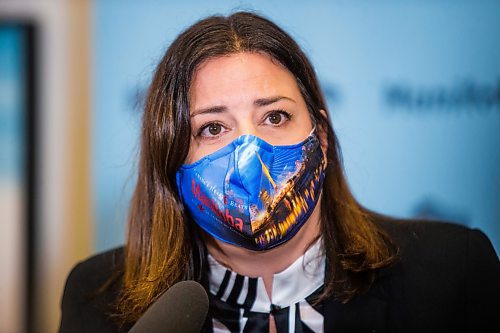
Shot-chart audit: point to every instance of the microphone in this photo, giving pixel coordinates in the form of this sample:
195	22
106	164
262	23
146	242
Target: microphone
181	309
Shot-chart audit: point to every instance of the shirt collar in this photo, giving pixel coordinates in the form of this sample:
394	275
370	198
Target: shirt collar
299	280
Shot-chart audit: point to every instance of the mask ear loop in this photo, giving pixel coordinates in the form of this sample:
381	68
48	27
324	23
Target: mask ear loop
314	132
314	127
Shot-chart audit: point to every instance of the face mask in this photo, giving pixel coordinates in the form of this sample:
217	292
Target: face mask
253	194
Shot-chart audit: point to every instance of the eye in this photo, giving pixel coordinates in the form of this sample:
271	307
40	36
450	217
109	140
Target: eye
277	118
214	129
211	130
274	118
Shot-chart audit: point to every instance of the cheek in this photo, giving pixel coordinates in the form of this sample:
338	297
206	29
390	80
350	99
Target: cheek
304	123
197	151
192	152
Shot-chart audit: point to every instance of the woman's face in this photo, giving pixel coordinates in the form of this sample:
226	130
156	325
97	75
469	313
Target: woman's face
245	93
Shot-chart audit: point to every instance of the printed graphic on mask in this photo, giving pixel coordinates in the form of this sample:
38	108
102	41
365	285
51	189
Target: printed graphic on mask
253	194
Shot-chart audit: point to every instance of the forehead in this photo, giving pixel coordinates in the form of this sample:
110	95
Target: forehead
244	75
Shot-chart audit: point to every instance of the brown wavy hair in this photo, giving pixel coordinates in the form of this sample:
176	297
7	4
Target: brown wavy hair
163	245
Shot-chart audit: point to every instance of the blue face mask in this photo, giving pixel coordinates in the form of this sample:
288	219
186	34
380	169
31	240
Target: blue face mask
253	194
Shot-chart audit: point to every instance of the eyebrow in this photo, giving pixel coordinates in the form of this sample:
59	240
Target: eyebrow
258	102
210	109
270	100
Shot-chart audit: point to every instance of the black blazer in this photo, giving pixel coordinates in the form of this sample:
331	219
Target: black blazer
447	279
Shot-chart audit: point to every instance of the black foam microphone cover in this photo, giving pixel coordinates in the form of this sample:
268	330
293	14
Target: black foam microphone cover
182	308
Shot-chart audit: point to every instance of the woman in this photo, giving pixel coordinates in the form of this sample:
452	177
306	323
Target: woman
241	188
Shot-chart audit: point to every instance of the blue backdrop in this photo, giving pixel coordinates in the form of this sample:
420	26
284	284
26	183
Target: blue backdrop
413	88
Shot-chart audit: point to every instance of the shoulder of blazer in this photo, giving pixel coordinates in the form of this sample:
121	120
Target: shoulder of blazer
92	288
445	279
91	274
429	239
